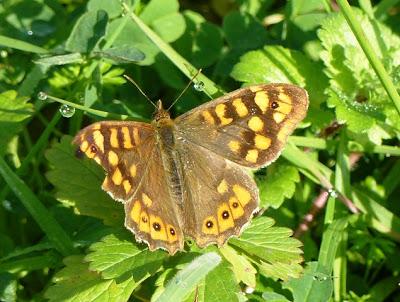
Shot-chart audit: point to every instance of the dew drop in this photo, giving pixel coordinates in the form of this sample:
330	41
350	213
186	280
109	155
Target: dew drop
29	32
42	96
249	290
199	86
332	193
67	111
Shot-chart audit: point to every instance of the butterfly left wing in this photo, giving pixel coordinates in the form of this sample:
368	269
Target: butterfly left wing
248	126
129	154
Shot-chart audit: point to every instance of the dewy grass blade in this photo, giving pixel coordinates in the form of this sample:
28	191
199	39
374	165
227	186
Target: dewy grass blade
42	216
188	69
185	281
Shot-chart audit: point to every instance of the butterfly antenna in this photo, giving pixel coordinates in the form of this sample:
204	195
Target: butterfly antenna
140	90
184	90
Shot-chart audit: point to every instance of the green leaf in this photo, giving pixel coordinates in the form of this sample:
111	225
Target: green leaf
276	64
117	255
279	183
87	32
272	247
13	110
185	281
314	285
243	31
132	35
274	297
202	41
220	285
241	266
122	54
78	183
358	97
156	9
112	7
8	287
164	17
76	282
169	27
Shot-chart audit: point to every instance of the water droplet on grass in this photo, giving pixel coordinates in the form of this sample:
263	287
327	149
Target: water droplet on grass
199	86
42	96
67	111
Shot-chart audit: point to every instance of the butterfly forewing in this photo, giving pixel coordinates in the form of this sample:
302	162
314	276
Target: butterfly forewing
248	126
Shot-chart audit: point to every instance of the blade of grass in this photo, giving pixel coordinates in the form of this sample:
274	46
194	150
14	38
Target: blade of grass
40	143
382	7
21	45
49	260
56	234
188	69
186	280
96	112
342	182
370	54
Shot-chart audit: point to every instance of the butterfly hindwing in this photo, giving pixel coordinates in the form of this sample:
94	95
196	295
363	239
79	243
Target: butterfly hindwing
248	126
220	196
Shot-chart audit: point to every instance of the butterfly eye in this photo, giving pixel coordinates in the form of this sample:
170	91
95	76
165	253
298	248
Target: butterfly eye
225	215
209	224
235	204
172	231
93	149
274	105
156	226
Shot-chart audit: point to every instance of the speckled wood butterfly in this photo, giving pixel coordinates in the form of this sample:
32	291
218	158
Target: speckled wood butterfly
189	176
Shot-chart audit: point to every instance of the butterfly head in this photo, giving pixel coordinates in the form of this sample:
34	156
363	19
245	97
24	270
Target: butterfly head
161	116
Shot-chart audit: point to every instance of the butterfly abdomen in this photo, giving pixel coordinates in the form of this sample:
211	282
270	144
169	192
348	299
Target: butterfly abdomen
171	163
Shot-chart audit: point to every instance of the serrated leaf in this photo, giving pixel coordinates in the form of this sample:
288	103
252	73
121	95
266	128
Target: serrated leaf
312	286
117	255
13	110
358	97
76	283
88	30
271	245
186	280
241	266
276	64
279	183
78	183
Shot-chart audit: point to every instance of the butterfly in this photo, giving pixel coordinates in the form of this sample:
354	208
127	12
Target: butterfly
189	176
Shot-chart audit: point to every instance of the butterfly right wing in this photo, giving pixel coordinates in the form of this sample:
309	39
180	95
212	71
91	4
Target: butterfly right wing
129	154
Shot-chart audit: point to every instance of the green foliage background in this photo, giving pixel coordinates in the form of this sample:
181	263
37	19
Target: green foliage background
336	184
